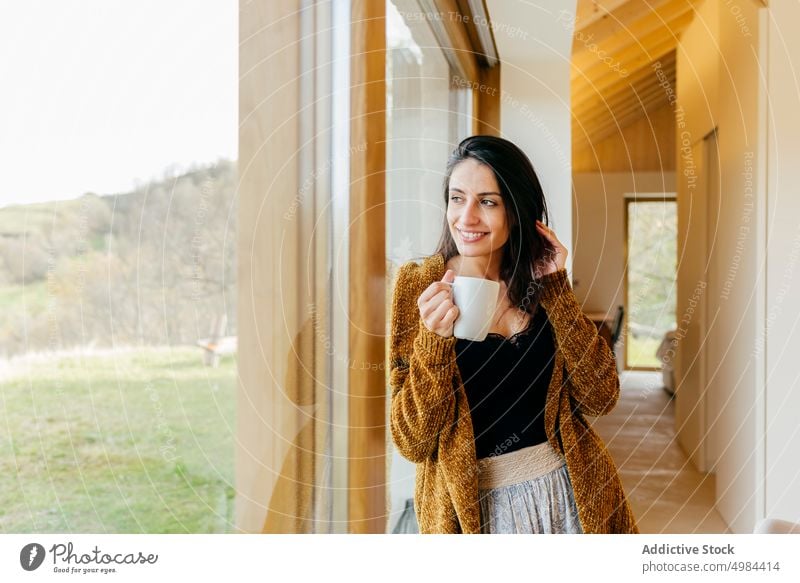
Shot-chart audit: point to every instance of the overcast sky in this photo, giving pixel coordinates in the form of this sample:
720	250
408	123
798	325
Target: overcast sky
98	95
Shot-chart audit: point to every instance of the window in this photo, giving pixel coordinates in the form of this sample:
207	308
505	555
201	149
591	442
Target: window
427	115
651	274
118	229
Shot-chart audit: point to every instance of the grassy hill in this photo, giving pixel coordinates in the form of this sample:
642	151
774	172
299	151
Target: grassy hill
152	266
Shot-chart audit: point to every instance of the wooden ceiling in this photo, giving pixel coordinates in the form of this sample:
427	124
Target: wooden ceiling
616	46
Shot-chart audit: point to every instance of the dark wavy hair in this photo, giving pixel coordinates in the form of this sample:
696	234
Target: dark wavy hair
524	202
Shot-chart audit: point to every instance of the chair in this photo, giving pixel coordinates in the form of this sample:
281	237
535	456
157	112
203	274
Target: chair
617	330
217	345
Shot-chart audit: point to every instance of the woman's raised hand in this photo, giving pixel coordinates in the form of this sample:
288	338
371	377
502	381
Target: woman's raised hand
436	307
558	258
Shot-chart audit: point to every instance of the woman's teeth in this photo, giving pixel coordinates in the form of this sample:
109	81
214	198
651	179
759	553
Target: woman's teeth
471	237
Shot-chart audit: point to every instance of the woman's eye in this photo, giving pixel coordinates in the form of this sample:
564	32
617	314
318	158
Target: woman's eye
456	198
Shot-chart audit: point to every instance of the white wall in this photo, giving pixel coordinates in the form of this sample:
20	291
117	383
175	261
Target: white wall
534	39
598	229
735	370
719	372
783	251
697	75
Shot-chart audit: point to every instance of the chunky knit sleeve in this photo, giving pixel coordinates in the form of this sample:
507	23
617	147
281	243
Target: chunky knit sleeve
591	368
422	368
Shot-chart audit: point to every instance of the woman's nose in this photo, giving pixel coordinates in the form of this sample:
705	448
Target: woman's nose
471	214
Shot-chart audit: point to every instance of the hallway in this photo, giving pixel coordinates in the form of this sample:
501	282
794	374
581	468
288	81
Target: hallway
666	493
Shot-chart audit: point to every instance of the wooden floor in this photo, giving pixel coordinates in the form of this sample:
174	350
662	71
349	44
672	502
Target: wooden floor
666	493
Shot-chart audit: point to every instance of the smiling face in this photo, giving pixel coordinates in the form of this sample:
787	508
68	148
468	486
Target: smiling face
476	212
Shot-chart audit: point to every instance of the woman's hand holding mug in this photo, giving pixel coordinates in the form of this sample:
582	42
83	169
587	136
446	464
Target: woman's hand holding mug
436	306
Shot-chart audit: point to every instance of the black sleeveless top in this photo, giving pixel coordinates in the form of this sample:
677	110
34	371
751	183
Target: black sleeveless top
506	382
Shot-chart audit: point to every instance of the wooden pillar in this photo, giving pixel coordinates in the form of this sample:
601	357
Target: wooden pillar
367	386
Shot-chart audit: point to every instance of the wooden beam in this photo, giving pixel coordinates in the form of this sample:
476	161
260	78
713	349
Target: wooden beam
587	45
451	34
646	144
623	86
639	102
585	90
588	12
620	123
487	110
630	95
640	51
367	256
477	23
626	117
622	18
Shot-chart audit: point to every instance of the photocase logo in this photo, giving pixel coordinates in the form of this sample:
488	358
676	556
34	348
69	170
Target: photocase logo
31	556
67	559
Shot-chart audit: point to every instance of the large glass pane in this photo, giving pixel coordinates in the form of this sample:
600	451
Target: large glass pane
426	117
419	132
652	264
117	266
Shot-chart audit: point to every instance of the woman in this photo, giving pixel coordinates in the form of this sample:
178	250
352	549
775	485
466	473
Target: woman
497	428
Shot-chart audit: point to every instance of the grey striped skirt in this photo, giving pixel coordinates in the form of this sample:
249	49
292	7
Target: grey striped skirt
527	491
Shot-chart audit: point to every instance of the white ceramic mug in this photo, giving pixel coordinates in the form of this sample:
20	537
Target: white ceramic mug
476	299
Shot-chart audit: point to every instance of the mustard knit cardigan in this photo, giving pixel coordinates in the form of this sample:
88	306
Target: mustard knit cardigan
432	427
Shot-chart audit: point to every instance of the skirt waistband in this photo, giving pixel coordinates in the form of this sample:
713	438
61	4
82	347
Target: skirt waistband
518	466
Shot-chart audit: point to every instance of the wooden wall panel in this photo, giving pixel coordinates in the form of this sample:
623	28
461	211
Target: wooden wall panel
487	111
647	144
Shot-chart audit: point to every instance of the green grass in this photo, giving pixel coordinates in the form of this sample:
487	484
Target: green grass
642	351
130	442
31	297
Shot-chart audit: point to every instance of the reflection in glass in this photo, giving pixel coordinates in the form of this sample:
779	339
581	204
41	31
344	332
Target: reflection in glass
426	117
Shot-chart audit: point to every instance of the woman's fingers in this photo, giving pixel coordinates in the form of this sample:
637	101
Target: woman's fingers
558	255
451	316
440	311
437	286
436	306
441	321
546	231
432	290
427	308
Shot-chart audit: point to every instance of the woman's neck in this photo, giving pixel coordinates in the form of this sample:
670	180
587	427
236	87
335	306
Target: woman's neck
485	266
